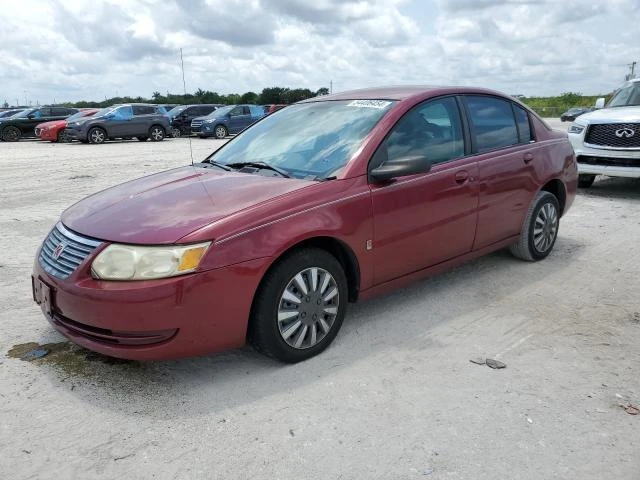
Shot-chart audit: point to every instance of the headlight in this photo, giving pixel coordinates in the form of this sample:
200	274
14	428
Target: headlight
131	262
575	128
211	120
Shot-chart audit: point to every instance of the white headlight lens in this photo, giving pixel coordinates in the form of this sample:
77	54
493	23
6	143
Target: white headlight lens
575	128
131	262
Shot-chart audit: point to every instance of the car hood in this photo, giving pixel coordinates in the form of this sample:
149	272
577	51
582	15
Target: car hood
54	123
612	115
164	207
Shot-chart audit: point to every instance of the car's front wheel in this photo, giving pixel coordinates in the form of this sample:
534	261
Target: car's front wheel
63	137
540	229
300	306
11	134
585	181
97	135
221	131
156	133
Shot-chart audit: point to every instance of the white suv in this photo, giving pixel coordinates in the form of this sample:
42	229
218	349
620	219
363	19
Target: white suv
607	140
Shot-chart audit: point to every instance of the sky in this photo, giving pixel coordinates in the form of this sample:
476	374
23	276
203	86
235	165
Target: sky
71	50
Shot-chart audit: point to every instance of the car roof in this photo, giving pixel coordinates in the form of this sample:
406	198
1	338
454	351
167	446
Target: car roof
401	92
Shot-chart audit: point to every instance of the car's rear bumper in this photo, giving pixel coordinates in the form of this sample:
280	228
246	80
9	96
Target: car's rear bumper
151	320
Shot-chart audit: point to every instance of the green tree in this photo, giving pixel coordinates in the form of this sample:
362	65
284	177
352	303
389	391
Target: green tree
273	95
249	97
322	91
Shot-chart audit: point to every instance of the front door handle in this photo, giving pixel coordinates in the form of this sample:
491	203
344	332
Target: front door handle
462	176
527	157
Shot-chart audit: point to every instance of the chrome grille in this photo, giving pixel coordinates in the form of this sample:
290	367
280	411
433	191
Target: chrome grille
606	136
63	250
196	123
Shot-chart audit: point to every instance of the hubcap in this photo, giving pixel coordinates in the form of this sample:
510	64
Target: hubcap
308	308
97	136
176	132
156	133
545	228
220	132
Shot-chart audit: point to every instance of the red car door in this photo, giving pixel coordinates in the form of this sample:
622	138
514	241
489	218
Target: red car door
425	219
501	135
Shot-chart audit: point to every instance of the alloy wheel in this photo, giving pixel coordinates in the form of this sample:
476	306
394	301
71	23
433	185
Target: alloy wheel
308	308
157	134
97	136
221	132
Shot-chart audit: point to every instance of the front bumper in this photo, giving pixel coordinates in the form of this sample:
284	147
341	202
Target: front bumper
49	134
73	134
163	319
613	162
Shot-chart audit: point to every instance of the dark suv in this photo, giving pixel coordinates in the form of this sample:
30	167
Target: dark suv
181	117
139	120
22	124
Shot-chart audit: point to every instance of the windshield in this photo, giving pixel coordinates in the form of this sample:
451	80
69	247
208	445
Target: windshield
626	96
220	112
308	139
9	113
176	110
80	114
24	113
104	111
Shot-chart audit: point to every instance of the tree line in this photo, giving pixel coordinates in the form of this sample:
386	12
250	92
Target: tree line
271	95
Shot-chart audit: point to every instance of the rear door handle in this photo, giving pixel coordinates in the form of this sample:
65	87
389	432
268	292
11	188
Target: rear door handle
462	176
527	157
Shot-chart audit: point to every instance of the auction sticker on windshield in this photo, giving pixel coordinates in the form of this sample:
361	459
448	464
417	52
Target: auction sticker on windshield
369	103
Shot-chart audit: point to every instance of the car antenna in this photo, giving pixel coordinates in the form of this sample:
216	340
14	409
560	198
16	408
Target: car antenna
184	86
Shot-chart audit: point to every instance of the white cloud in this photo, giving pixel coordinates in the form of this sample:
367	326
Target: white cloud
91	49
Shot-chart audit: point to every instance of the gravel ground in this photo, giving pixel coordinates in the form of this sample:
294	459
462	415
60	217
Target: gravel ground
395	397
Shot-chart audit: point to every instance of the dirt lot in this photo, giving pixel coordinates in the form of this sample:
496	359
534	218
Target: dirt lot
395	397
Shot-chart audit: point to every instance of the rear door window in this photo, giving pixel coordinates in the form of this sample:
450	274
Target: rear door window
143	110
492	122
123	113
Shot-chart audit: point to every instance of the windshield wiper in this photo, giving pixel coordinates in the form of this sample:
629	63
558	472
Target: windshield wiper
219	165
260	165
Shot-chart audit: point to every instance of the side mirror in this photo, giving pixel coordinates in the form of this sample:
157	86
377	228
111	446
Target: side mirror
600	103
400	167
31	115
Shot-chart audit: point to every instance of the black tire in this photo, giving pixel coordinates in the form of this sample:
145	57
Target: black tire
11	134
585	180
142	139
536	243
156	133
265	326
63	137
96	135
176	133
220	131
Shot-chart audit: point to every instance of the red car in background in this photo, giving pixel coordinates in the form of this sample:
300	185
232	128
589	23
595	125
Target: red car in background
54	131
334	199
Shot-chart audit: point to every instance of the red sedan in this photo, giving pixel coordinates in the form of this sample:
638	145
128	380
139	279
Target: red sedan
332	200
54	131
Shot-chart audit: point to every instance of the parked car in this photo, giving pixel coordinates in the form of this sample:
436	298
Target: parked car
268	109
573	113
139	120
268	240
182	116
226	120
607	140
22	124
11	112
55	131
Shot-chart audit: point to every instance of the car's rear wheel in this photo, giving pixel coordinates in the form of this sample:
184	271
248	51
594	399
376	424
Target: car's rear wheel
585	181
142	139
156	133
11	134
300	306
540	229
221	131
97	135
176	132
